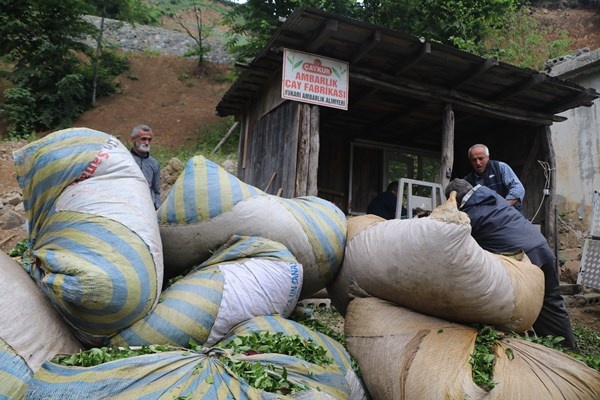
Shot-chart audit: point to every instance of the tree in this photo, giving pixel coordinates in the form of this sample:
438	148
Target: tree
41	38
461	23
254	22
199	35
123	10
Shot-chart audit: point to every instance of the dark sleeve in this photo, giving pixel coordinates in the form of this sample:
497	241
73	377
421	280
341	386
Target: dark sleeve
155	187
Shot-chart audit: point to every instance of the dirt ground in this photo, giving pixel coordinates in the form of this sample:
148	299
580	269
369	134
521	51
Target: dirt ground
166	93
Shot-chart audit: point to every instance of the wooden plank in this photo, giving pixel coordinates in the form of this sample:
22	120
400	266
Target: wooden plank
330	27
482	68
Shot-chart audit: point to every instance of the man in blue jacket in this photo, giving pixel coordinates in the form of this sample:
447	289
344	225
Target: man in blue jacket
141	136
499	228
496	175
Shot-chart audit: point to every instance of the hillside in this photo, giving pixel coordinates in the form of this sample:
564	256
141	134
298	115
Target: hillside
165	93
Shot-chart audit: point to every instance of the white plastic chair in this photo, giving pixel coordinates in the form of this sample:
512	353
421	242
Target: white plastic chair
413	201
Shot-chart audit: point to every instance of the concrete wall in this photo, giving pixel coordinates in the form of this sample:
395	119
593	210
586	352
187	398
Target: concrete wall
576	141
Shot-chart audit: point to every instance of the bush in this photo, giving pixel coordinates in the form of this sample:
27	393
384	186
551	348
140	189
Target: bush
19	110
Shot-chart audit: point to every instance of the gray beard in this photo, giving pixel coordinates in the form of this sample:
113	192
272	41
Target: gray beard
143	148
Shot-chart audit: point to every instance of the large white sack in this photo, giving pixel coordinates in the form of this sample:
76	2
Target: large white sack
434	266
207	205
29	324
248	277
407	355
93	229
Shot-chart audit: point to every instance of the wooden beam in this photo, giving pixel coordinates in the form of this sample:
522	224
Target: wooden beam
324	34
367	46
483	67
423	51
575	100
465	102
521	87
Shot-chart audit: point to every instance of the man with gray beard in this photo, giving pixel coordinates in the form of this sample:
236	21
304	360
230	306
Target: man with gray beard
141	136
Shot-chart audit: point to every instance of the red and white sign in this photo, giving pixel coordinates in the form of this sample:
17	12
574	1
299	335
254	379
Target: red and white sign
314	79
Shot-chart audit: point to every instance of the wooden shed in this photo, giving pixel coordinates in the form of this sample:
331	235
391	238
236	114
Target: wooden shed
414	109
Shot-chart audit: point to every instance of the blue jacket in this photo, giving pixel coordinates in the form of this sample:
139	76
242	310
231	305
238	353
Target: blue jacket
151	170
501	178
500	228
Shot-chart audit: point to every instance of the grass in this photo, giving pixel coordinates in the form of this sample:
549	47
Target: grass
206	143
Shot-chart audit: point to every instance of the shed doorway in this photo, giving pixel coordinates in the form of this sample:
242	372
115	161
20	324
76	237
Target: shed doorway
374	165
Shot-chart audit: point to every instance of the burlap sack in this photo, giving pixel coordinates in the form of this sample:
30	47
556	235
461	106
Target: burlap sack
434	266
406	355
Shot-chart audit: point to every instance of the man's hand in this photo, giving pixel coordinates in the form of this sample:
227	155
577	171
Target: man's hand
512	202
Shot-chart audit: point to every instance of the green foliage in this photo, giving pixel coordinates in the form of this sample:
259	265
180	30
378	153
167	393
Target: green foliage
253	23
500	28
587	339
20	111
483	357
110	65
136	11
527	43
462	23
42	39
101	355
322	323
208	139
19	248
266	376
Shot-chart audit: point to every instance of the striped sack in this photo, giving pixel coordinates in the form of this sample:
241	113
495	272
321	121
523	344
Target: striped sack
183	374
335	350
247	277
93	230
207	205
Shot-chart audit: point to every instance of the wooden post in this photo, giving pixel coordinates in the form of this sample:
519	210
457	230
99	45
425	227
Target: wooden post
550	230
313	155
447	160
302	159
